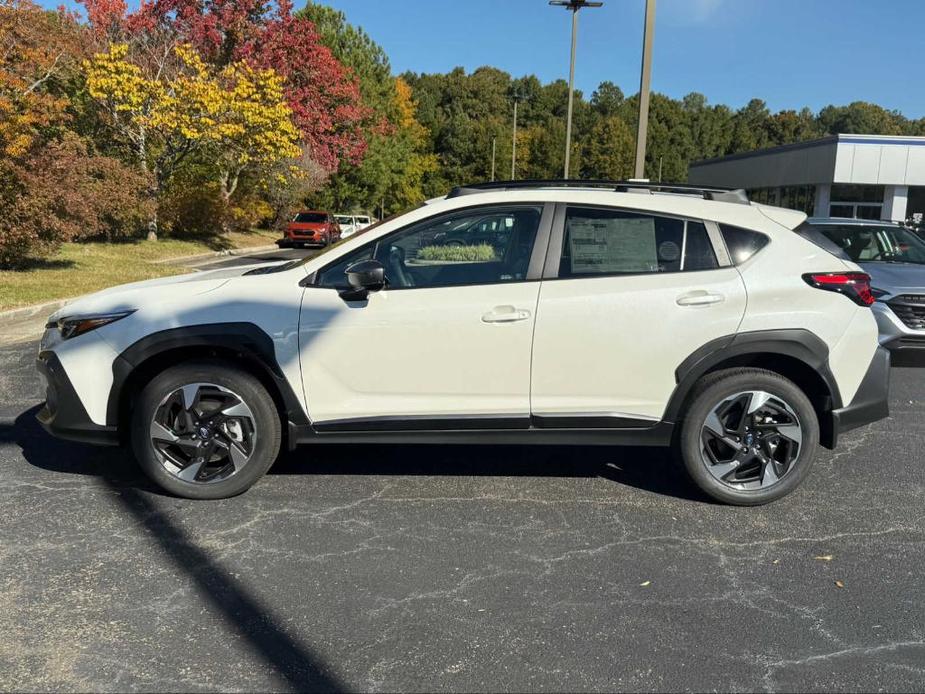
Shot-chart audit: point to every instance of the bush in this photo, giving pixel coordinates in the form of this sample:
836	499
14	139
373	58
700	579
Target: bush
67	194
458	254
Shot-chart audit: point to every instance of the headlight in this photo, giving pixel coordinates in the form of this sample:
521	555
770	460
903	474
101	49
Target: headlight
78	325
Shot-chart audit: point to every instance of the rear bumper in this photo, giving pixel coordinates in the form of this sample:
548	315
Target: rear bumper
63	414
870	403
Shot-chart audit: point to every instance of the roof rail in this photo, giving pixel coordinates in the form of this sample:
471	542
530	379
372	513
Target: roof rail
719	194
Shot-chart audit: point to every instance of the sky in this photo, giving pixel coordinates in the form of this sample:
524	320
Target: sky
790	53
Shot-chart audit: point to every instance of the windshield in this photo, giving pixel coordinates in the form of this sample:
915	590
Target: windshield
341	219
310	217
872	243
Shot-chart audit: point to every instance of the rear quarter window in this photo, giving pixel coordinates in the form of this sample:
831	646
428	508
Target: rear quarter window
742	244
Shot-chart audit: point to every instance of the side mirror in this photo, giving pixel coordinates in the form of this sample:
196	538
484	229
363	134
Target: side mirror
364	276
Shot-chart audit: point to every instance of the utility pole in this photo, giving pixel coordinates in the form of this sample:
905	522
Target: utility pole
574	6
517	96
493	141
645	81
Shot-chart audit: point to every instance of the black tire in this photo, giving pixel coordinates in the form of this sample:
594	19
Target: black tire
717	388
267	428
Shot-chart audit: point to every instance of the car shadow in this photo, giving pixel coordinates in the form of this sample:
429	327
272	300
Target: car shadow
649	469
294	661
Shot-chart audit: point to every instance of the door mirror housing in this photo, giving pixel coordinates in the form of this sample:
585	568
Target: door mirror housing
364	276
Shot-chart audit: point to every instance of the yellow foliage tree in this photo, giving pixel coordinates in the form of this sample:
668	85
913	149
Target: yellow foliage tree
237	118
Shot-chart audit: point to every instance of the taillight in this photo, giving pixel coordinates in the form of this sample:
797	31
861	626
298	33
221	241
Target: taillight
854	285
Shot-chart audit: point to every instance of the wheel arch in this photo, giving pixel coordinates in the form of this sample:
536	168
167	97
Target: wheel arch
243	344
797	354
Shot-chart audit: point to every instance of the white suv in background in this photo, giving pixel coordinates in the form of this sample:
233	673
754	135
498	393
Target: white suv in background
603	313
352	223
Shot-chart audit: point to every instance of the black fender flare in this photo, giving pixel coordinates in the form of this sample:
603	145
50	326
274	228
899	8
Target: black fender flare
797	343
246	340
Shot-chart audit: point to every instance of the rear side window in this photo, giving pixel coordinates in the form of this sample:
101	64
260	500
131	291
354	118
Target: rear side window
623	242
742	243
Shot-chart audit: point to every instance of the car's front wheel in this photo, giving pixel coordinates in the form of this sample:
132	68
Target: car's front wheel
749	436
205	430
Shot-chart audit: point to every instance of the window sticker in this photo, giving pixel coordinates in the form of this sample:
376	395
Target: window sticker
613	245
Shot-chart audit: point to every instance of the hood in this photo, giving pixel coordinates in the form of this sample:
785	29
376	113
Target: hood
896	278
136	295
308	225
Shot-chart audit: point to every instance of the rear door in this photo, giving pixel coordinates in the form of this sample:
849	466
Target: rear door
626	297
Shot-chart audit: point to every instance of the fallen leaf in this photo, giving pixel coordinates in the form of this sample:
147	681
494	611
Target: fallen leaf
645	583
840	584
825	557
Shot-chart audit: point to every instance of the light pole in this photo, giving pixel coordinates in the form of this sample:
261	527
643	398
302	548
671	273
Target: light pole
574	6
645	80
516	96
493	140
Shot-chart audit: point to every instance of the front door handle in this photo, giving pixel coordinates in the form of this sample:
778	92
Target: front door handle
700	298
505	314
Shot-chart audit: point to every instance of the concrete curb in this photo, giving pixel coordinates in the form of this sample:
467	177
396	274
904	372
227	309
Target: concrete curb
182	260
18	315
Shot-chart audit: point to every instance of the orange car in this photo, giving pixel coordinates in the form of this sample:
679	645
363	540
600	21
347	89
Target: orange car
311	227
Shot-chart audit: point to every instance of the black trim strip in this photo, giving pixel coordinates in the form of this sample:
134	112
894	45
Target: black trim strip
658	435
424	423
594	421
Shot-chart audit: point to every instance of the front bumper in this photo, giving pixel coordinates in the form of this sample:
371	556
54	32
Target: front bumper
64	415
870	404
906	346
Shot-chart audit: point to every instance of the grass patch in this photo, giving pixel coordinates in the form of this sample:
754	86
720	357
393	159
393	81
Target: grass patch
480	253
81	268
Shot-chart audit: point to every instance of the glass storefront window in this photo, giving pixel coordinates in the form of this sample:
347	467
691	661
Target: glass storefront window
842	192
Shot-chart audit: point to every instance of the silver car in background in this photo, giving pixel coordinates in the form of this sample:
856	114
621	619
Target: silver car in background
894	257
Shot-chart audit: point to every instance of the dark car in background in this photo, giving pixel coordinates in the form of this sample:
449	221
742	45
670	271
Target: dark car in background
894	257
310	227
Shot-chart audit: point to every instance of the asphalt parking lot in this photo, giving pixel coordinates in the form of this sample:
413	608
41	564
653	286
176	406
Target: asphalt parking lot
450	568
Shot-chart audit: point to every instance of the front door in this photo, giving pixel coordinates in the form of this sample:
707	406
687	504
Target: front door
634	295
446	344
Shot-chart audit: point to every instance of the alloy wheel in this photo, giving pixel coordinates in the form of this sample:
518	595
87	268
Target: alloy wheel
203	433
751	440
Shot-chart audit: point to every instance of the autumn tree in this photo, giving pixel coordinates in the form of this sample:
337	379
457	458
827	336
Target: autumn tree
237	117
53	186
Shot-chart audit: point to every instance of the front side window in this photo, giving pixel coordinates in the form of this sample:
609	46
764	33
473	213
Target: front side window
474	246
623	242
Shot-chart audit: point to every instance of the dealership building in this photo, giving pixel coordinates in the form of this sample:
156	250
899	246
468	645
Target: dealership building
862	176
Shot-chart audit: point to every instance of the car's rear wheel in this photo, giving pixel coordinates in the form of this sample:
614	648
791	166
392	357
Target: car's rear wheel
749	436
205	430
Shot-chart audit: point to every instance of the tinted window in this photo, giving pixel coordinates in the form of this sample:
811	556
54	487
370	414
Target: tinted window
742	243
864	243
310	217
475	246
618	242
814	235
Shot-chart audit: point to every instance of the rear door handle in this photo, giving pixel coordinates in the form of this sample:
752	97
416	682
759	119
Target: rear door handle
700	298
505	314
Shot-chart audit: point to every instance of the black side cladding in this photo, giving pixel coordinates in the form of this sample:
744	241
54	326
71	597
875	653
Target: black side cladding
246	340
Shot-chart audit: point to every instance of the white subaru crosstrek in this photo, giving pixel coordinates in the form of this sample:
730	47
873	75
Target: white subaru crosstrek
596	313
